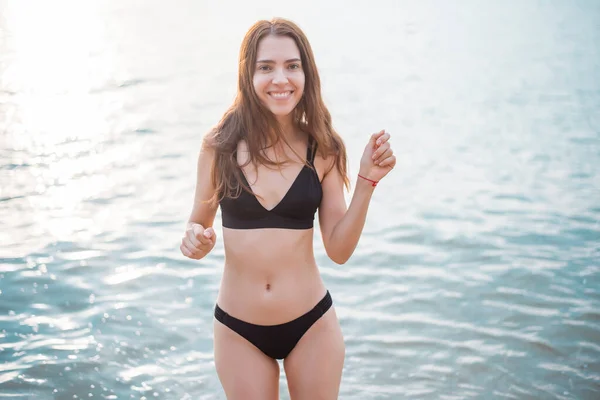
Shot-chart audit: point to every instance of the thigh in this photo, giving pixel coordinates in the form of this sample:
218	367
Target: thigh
314	368
244	371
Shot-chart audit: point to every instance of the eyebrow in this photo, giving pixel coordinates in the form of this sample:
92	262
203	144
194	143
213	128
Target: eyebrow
273	62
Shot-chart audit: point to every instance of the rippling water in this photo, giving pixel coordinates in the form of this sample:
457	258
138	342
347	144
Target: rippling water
477	275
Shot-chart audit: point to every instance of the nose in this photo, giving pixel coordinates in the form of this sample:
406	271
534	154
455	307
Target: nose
279	76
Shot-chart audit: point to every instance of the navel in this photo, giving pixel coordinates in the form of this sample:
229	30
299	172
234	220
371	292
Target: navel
268	287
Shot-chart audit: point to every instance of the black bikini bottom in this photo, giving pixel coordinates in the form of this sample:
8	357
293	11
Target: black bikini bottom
276	341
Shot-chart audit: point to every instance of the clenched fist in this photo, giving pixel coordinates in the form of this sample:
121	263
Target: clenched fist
197	241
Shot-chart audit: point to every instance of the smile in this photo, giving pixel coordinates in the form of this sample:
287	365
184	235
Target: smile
281	95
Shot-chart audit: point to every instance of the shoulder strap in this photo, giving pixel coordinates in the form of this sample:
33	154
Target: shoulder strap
311	150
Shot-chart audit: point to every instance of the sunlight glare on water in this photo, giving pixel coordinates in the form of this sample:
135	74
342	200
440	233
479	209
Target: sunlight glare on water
478	272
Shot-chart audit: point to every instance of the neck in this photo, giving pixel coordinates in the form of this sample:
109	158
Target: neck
289	129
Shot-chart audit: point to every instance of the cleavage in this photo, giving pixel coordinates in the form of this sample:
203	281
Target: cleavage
271	185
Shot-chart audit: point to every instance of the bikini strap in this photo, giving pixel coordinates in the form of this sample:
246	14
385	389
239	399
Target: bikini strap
310	154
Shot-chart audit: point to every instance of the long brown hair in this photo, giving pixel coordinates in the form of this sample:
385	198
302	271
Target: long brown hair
248	119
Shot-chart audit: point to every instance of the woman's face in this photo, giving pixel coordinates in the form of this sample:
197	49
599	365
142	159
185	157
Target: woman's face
278	75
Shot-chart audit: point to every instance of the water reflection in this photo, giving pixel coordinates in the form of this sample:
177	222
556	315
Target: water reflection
477	273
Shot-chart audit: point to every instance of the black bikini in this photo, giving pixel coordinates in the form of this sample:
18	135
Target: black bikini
276	341
296	210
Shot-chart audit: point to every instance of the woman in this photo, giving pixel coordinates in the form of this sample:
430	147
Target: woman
272	162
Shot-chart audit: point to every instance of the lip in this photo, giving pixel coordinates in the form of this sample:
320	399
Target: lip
280	94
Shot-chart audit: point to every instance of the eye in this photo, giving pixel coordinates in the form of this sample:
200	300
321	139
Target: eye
263	68
294	66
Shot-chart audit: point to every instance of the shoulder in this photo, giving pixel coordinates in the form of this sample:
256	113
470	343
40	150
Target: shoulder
242	146
210	140
208	151
324	164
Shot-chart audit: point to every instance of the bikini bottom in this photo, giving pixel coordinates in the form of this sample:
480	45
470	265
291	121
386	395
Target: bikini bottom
276	341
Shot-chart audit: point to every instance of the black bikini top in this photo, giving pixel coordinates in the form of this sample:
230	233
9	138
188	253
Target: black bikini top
296	210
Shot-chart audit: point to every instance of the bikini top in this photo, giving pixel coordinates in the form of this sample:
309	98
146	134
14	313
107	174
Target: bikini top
296	210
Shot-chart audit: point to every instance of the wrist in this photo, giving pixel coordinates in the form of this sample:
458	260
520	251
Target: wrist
365	178
364	186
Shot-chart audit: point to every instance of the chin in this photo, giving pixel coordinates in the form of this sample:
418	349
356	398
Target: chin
281	113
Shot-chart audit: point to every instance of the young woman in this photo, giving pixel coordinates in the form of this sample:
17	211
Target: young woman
272	162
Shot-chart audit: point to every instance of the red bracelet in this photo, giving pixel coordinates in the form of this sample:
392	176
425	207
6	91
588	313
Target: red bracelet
374	183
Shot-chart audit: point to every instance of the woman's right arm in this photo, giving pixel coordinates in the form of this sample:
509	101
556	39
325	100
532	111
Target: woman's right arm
200	237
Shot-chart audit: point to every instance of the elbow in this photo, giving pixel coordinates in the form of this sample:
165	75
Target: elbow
339	259
338	250
337	253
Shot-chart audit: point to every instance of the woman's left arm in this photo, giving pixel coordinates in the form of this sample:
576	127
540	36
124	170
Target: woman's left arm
341	227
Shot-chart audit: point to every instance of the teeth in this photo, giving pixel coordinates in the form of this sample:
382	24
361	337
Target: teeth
280	94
